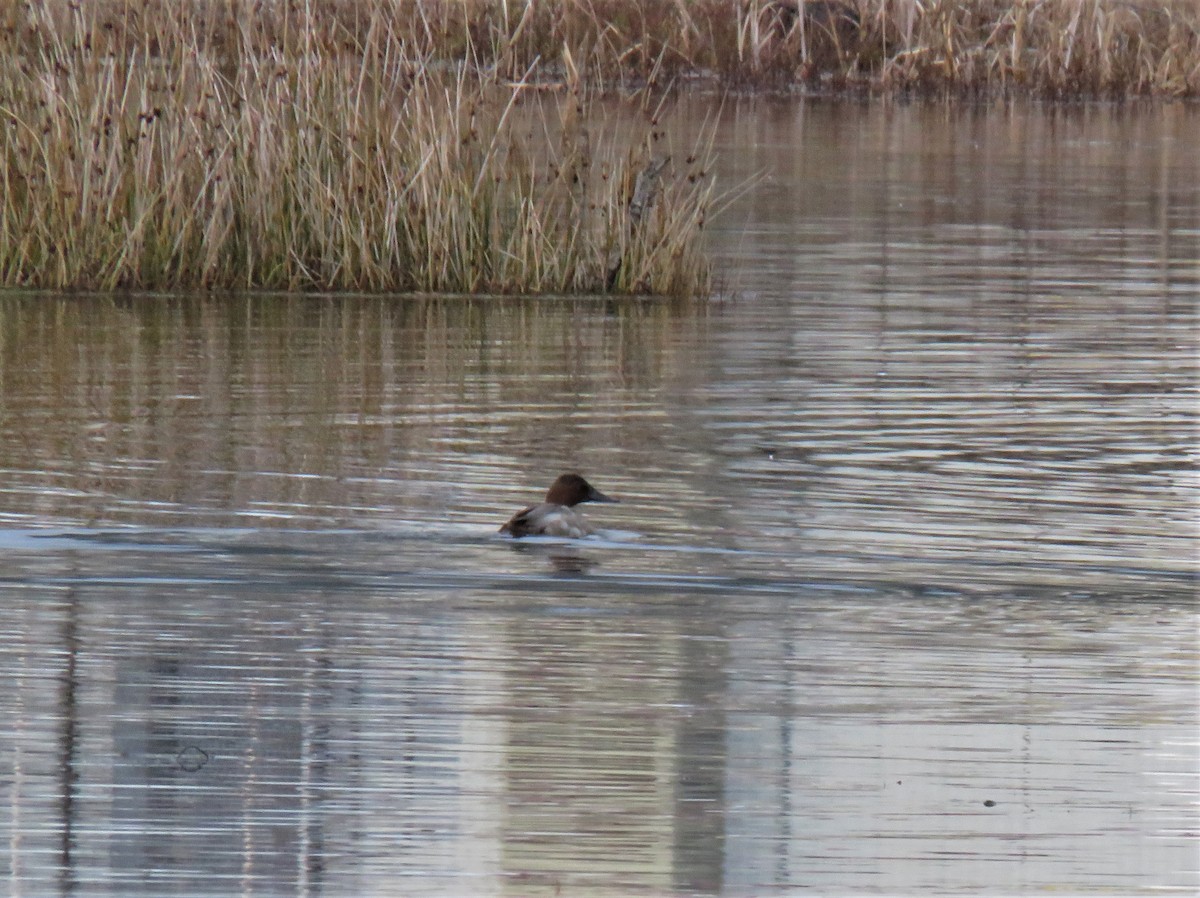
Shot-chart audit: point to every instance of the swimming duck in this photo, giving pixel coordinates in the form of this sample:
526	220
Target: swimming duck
557	515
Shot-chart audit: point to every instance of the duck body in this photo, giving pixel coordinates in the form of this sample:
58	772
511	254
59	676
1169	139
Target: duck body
557	515
548	519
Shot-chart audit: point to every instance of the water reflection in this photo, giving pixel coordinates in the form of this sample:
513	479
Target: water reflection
288	408
1021	437
241	728
901	595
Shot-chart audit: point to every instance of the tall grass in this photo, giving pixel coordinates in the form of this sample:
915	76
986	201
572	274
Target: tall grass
291	145
458	145
1055	48
1045	47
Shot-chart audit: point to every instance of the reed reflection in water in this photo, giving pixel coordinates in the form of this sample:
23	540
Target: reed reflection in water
304	717
900	595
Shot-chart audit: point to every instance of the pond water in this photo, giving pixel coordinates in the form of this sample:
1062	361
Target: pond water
900	596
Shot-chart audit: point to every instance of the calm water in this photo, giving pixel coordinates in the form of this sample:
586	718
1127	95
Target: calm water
900	598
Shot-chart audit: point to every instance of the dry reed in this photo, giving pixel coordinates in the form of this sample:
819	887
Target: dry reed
1063	48
184	145
1058	48
406	144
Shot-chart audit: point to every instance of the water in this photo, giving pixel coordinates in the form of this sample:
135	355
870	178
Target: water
900	598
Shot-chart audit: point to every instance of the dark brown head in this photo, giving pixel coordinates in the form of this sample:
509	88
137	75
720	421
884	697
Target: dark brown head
571	489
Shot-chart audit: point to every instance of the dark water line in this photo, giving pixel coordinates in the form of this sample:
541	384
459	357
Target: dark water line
68	743
960	579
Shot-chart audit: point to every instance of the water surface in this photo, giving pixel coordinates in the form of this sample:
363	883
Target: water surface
900	598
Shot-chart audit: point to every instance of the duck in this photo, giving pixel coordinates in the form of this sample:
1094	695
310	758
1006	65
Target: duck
557	515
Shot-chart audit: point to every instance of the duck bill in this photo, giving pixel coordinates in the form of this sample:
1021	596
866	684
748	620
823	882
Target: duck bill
594	495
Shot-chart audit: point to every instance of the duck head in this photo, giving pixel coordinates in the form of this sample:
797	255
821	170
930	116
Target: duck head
571	489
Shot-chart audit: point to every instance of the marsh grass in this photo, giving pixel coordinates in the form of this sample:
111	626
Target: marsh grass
179	146
1056	48
1062	48
460	145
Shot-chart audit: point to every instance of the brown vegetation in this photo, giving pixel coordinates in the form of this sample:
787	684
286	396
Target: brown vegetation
411	144
1046	47
179	145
